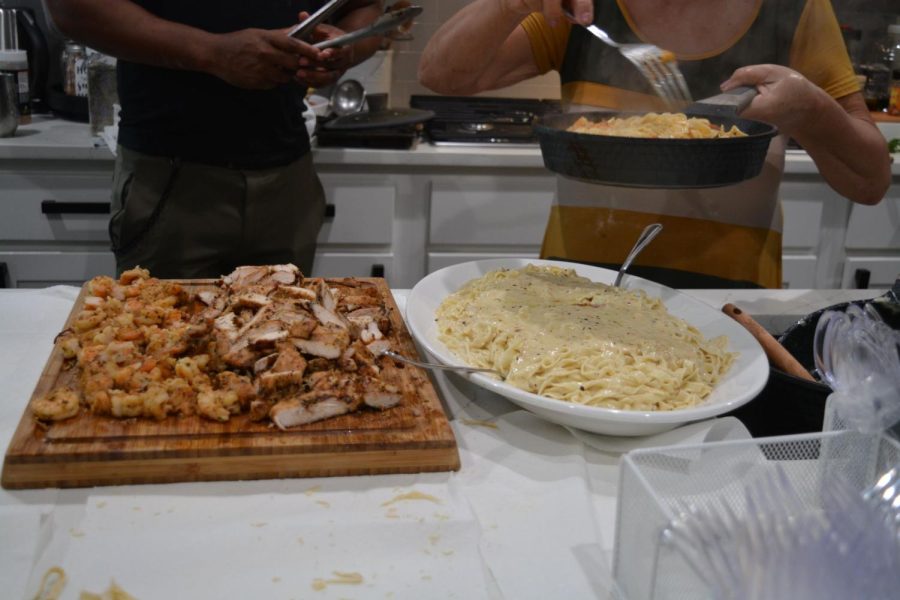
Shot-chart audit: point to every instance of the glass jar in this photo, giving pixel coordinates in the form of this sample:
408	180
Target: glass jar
74	69
103	94
894	100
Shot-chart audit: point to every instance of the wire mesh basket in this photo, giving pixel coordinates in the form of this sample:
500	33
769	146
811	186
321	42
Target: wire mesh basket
656	483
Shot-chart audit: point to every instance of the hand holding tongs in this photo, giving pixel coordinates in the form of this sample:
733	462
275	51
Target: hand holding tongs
382	24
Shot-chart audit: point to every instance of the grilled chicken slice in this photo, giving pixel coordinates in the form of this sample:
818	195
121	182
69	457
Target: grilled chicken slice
287	274
265	363
376	347
382	399
239	355
243	277
370	333
299	322
287	370
325	297
296	292
266	334
227	325
363	316
294	412
327	341
326	316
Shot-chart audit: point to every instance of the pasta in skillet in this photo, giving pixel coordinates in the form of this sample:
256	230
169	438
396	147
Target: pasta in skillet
656	125
559	335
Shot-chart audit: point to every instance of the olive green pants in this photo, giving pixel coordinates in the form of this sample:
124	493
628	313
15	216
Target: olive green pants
186	220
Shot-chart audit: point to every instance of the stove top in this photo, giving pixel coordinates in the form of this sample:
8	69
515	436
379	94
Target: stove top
463	120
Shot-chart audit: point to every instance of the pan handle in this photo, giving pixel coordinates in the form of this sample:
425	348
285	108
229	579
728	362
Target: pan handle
737	100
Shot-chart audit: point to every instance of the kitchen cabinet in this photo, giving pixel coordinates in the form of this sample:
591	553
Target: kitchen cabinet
53	222
873	242
402	214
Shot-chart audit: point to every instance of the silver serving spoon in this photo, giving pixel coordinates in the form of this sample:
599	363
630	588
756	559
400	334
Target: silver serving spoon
650	232
428	365
348	97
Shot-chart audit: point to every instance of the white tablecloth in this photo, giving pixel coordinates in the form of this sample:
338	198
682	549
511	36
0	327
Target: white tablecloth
530	514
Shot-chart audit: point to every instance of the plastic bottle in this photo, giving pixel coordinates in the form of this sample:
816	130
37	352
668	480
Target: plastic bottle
16	63
894	102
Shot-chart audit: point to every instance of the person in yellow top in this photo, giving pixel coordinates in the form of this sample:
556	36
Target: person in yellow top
792	52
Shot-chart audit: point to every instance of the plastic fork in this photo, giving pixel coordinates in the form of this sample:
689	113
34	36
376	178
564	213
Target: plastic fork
658	66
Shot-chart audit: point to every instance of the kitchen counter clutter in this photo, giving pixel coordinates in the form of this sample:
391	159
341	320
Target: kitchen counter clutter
403	214
530	514
48	138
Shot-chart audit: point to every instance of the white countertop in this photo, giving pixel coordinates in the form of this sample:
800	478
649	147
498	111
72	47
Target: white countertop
531	513
57	139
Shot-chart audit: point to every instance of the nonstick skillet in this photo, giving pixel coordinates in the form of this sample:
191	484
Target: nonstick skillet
658	162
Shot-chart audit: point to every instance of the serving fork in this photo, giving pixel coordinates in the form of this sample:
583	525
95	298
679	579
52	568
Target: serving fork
429	365
658	66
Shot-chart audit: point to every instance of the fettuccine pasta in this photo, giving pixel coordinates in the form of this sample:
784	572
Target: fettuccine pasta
656	125
559	335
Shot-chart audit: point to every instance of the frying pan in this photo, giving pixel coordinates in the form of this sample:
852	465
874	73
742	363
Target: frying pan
657	162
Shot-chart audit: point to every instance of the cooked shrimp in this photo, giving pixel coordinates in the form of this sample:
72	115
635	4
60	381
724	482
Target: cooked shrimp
124	404
218	405
101	286
131	275
60	404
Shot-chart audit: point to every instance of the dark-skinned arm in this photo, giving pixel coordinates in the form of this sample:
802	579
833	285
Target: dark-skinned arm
249	58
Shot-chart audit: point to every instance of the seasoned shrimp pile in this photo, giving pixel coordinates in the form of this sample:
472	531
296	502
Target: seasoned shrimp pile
264	342
137	351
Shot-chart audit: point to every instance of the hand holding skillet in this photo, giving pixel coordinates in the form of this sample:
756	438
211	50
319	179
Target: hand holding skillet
836	133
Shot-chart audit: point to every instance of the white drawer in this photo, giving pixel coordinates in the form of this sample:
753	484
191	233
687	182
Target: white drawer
334	264
490	210
361	210
54	206
803	205
883	271
876	227
439	260
798	272
42	269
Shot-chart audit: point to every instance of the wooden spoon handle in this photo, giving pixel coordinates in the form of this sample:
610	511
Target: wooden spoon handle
776	353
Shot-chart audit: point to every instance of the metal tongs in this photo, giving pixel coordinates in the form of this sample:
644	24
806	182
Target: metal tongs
384	23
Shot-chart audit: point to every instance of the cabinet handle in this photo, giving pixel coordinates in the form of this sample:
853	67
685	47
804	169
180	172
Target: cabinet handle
329	211
52	207
377	270
4	276
861	278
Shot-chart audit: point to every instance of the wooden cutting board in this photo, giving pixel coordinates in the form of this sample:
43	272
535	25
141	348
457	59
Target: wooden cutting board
89	450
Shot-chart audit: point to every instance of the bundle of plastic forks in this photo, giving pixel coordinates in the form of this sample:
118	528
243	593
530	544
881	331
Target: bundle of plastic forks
782	547
858	356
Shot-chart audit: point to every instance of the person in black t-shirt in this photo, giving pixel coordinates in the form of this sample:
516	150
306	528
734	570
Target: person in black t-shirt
213	168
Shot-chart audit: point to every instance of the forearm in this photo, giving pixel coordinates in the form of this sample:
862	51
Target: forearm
459	55
123	29
848	149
